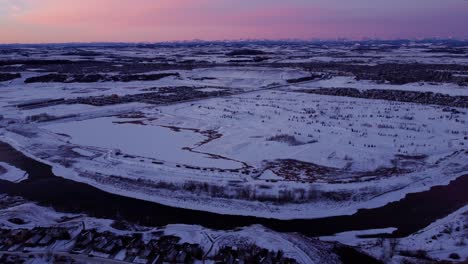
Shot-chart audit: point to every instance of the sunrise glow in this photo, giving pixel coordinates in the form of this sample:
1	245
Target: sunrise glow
32	21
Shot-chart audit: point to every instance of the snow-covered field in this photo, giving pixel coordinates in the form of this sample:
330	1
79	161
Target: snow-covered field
241	135
147	141
371	152
359	134
263	147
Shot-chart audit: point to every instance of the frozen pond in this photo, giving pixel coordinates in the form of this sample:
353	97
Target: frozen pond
141	140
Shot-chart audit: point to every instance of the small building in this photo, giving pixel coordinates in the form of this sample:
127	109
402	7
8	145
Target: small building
34	241
46	240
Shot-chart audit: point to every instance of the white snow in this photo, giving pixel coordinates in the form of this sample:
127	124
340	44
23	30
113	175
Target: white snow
443	237
439	240
269	175
245	123
350	135
352	237
12	173
141	140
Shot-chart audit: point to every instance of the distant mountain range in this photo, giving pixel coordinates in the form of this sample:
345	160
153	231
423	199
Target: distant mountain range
339	42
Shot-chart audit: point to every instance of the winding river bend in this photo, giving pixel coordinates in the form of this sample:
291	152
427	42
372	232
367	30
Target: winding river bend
409	215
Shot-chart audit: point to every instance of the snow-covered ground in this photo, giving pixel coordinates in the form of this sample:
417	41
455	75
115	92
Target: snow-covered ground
330	131
442	238
263	148
11	173
371	151
445	239
294	246
148	141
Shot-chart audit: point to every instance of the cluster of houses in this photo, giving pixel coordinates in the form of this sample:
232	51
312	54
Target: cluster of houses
156	248
130	248
133	249
251	255
91	78
162	96
9	76
25	239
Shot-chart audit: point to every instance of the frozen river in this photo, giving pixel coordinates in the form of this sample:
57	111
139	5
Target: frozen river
409	215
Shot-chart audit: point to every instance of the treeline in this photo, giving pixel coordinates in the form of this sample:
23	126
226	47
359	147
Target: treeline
395	95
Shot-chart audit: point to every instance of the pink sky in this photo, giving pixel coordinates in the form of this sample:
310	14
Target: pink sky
39	21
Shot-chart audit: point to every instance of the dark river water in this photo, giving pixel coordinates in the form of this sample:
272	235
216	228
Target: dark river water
409	215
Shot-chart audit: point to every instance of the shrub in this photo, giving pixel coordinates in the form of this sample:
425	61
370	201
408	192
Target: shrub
284	138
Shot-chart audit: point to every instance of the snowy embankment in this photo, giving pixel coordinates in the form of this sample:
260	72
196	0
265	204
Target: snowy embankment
292	245
27	215
444	239
181	199
11	173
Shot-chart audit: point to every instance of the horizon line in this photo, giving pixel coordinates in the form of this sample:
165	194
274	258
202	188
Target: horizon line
240	40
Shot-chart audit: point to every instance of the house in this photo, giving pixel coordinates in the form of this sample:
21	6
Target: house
181	257
34	241
19	235
100	243
46	240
